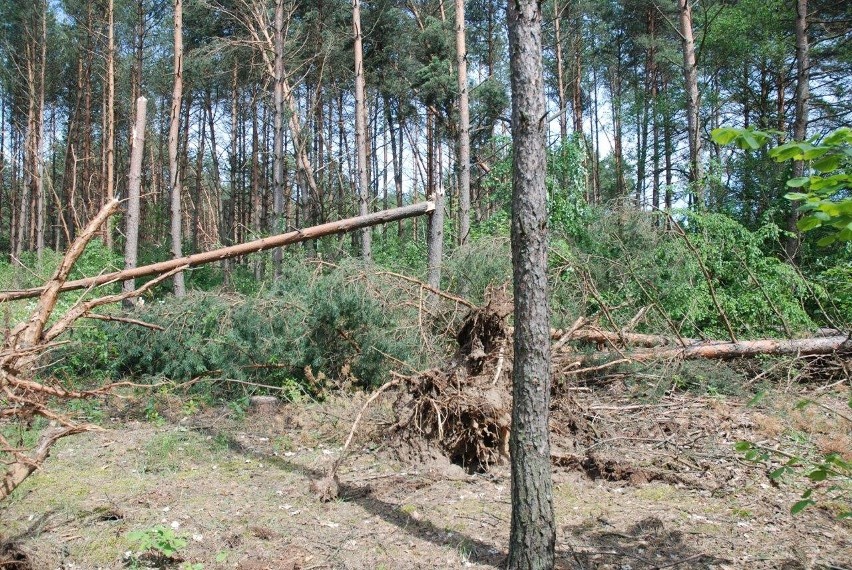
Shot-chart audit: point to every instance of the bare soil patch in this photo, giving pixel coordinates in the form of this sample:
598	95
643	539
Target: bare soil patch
637	485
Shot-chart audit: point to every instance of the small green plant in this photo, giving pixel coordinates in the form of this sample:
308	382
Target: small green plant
152	414
829	476
159	541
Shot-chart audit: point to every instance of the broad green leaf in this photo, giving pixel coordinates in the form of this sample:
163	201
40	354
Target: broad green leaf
815	152
802	404
780	472
800	506
818	475
748	141
798	182
826	241
840	136
789	151
724	135
808	223
795	195
742	446
828	163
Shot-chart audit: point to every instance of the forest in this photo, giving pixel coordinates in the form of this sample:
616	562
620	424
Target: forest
261	259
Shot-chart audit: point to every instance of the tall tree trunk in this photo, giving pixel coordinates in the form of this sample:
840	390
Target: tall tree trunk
690	76
110	115
577	77
533	530
278	141
361	130
800	127
137	152
38	163
560	75
464	127
174	174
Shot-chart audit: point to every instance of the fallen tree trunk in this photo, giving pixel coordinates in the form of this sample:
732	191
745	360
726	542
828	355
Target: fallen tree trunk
262	244
645	340
746	348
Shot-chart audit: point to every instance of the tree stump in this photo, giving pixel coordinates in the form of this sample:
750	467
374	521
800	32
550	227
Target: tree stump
263	405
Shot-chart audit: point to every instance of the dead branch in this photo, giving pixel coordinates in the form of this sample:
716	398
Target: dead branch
18	471
129	321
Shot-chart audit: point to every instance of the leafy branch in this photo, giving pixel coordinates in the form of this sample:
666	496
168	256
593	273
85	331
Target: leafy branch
825	196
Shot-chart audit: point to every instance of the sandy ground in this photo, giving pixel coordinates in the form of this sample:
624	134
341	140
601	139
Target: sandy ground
636	486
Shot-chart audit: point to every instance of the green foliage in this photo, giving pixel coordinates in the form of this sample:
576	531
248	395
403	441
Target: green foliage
632	261
828	477
566	189
825	195
159	540
483	263
339	322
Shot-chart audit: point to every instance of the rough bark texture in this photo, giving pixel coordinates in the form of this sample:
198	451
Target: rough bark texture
800	127
361	129
464	127
110	115
532	539
174	175
263	244
435	192
278	144
690	76
137	153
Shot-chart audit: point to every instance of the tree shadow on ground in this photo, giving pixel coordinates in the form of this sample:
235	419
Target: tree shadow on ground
647	544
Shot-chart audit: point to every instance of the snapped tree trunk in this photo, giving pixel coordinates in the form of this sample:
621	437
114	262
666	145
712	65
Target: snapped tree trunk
278	139
137	153
174	174
109	173
533	534
361	131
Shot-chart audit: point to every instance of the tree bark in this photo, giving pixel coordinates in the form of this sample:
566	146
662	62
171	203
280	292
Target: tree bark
464	127
278	140
560	76
435	192
533	535
263	244
137	153
745	348
174	174
800	127
690	75
109	194
361	130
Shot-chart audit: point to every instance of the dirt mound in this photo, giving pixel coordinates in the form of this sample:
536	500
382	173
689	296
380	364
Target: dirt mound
464	409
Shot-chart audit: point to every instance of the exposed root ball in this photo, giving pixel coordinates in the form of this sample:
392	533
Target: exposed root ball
465	408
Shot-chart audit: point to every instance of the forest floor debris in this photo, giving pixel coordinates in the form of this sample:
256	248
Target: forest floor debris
658	485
